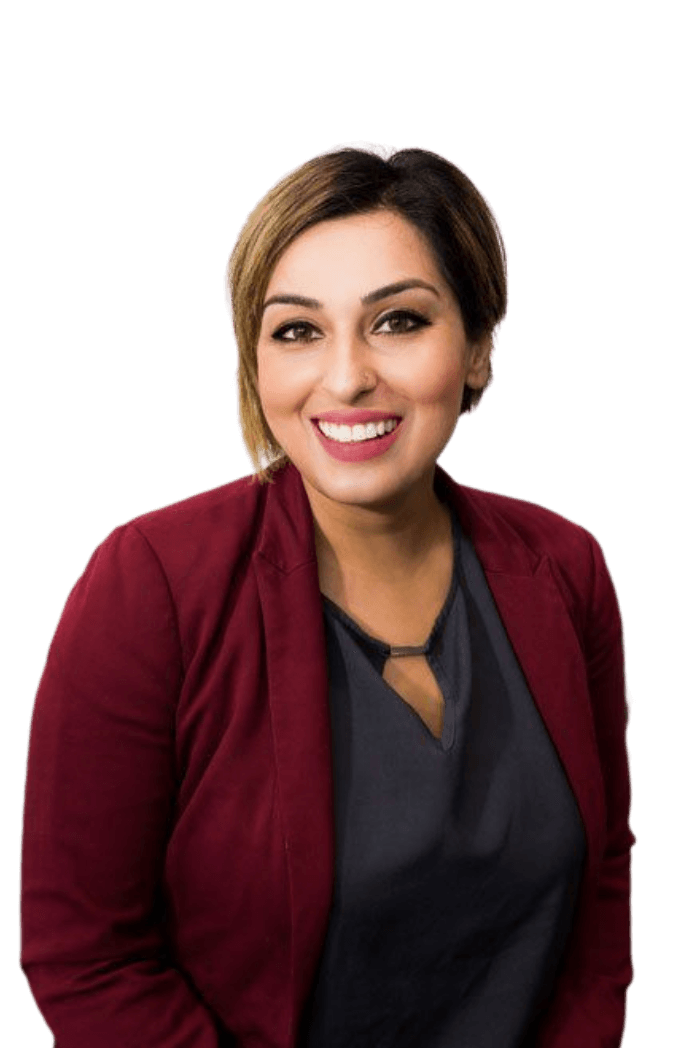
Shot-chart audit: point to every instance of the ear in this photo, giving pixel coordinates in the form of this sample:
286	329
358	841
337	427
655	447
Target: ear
479	362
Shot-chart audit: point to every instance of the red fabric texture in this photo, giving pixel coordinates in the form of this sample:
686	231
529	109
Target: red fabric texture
178	846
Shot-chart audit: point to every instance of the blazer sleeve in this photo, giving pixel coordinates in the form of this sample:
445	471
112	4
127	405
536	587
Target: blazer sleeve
589	1005
100	791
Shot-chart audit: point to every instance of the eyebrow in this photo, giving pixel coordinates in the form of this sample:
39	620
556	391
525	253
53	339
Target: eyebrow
367	300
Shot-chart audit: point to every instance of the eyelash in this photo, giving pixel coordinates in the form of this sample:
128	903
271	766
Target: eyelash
407	313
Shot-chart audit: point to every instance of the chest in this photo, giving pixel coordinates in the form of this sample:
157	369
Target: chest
403	616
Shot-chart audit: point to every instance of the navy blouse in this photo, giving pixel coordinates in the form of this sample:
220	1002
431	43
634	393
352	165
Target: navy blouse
458	860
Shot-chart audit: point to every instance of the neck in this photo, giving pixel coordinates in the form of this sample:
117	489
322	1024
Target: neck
383	545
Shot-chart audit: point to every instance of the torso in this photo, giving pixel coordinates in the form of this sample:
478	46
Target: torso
402	614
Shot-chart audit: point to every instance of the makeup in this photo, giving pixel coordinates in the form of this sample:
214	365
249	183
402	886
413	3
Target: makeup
357	451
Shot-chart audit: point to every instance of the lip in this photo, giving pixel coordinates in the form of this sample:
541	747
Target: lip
355	416
359	451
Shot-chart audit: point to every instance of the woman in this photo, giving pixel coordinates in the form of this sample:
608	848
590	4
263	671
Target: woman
335	754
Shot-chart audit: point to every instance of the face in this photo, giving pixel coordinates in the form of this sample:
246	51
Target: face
359	353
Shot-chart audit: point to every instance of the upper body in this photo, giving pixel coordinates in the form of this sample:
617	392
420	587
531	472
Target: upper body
179	847
180	744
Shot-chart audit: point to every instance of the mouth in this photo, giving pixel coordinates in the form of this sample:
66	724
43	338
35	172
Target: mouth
361	433
359	443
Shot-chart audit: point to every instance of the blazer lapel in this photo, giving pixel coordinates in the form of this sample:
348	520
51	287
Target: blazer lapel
544	642
288	581
542	635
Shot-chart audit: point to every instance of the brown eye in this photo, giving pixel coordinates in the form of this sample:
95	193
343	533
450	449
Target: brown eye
403	321
300	329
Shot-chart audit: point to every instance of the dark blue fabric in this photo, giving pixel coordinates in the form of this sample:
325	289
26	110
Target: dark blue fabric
458	861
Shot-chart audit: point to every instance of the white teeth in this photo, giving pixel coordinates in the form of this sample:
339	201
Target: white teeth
357	433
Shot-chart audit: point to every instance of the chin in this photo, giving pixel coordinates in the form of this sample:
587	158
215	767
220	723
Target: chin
375	487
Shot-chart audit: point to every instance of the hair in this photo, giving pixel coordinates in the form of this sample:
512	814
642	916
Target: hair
422	187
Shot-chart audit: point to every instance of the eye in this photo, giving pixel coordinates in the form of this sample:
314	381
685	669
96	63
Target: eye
297	326
404	321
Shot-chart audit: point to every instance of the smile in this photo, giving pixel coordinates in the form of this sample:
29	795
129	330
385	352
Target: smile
358	433
360	442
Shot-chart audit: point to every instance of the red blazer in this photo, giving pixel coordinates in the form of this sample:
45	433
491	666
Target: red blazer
178	839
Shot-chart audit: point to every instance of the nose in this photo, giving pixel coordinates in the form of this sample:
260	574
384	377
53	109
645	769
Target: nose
349	368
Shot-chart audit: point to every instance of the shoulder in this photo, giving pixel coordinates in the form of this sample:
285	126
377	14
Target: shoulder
199	533
539	530
516	536
228	506
543	529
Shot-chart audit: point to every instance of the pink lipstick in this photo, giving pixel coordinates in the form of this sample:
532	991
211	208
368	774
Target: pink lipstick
357	451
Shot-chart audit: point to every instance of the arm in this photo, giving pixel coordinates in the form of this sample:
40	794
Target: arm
588	1010
100	793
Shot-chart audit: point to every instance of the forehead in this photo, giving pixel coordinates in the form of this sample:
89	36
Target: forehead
358	251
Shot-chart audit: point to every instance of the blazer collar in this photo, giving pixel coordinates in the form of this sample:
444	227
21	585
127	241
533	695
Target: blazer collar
287	534
498	546
287	538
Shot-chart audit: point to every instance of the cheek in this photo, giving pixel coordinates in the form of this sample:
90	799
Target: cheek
436	380
284	385
274	381
267	388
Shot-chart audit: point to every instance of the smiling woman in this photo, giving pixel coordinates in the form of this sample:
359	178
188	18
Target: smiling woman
334	754
409	363
421	204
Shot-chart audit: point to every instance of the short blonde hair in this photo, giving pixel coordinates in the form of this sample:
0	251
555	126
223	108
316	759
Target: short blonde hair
423	188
